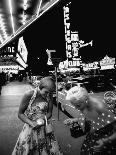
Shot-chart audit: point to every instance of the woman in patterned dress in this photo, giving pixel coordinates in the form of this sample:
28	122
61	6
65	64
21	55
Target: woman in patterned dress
101	140
35	105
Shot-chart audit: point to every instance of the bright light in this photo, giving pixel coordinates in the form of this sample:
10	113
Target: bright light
32	20
24	18
22	49
39	7
12	22
1	39
3	29
25	4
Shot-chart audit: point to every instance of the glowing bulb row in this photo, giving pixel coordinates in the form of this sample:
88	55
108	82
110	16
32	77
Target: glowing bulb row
3	29
25	6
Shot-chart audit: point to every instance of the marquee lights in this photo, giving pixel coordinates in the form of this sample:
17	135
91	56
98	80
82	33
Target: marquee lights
39	6
25	5
1	39
23	18
12	21
29	22
3	29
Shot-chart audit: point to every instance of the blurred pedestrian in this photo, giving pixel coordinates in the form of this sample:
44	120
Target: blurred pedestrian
37	136
103	140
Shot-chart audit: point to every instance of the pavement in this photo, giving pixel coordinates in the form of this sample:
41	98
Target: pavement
11	126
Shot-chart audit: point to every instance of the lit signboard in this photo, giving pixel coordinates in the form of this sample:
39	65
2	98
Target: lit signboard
21	55
67	32
9	50
69	64
75	43
6	60
12	68
90	66
74	63
107	63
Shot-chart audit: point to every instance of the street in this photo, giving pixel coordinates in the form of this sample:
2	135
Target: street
10	125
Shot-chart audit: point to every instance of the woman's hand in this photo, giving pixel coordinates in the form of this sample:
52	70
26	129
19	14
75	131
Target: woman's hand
70	121
38	123
34	124
99	146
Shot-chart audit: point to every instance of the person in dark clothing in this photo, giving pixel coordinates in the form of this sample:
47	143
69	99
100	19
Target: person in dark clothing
102	140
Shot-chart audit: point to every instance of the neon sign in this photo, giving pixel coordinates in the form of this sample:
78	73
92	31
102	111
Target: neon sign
67	32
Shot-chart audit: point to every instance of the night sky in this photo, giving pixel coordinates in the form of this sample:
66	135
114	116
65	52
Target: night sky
93	21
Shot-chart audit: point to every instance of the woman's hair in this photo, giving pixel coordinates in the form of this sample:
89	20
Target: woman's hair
47	82
77	94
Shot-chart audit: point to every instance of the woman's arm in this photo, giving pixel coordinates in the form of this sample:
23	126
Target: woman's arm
112	137
23	106
50	106
98	105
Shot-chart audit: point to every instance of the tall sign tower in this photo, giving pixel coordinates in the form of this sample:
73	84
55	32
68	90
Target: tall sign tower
73	44
67	31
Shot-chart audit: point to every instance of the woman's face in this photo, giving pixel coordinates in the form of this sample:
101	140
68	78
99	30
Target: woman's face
79	104
45	92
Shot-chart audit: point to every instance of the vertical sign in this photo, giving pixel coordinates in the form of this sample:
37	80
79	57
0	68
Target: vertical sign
67	32
75	44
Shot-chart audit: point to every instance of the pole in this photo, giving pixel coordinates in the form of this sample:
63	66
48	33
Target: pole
57	92
56	62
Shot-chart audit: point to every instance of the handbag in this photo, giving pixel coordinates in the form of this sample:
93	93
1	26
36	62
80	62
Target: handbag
75	130
48	127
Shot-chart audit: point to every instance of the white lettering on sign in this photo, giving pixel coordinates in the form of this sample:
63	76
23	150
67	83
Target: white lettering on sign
107	67
69	55
74	36
67	32
93	65
63	64
8	50
16	67
74	63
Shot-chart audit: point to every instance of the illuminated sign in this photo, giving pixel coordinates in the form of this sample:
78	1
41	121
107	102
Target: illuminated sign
21	55
75	43
67	32
90	66
107	67
12	68
49	56
107	63
71	63
9	50
74	63
63	64
4	61
22	49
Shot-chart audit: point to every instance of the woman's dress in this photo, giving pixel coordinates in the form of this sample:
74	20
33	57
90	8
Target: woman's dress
103	127
35	141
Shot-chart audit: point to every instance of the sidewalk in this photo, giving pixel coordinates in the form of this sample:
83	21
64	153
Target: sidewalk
11	126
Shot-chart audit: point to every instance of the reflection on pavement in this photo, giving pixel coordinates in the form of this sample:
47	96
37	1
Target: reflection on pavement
15	88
